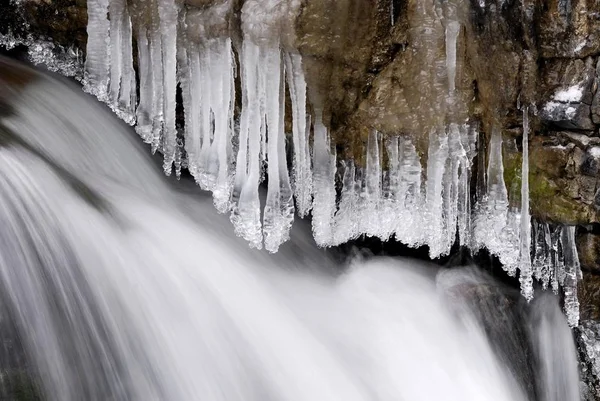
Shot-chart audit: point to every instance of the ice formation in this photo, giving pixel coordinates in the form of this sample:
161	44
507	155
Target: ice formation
56	58
418	199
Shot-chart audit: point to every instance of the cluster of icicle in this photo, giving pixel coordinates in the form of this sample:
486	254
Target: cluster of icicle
227	151
534	250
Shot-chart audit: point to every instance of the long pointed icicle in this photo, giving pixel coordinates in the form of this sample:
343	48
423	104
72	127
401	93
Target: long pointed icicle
572	271
191	94
324	186
222	110
122	94
205	174
391	192
452	198
156	67
345	222
301	169
436	163
452	30
491	229
468	139
278	211
96	74
371	202
542	260
245	214
409	229
168	11
525	269
144	108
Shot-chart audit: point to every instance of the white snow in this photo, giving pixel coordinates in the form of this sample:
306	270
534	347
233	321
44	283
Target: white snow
570	112
572	94
579	47
594	152
549	107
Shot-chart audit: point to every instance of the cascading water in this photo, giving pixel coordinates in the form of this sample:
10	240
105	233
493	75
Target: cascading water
122	287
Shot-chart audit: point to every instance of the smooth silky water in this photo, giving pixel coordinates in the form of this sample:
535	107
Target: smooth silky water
122	285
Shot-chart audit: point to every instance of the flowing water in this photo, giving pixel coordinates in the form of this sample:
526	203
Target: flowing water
121	285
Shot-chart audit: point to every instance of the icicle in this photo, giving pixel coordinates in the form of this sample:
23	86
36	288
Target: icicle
453	194
156	67
223	85
206	175
525	273
468	136
436	166
168	11
496	188
549	272
122	95
370	224
391	189
392	147
245	213
178	161
411	210
97	61
302	176
452	30
262	102
324	186
572	271
346	223
481	185
542	260
493	226
279	208
145	106
191	94
558	263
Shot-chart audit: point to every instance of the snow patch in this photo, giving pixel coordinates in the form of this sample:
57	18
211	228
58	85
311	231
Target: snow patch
579	47
594	152
570	95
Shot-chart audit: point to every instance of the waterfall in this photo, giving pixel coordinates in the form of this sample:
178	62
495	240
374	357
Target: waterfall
124	286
